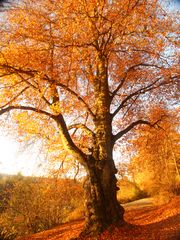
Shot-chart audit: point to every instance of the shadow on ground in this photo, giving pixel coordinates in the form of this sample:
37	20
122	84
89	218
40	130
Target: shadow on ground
144	222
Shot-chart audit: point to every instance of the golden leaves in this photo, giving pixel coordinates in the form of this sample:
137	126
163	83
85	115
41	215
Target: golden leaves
56	107
57	42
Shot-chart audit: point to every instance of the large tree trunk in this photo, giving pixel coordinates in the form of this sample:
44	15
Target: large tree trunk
102	207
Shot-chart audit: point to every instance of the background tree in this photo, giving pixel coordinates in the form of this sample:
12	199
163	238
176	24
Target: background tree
87	71
155	166
36	204
128	191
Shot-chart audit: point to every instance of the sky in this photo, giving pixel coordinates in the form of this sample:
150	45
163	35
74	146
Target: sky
175	3
13	159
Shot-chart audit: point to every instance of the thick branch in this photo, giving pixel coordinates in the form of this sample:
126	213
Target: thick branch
10	108
65	137
68	143
134	124
127	129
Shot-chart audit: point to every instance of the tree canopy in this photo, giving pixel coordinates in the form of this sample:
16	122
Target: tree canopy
82	74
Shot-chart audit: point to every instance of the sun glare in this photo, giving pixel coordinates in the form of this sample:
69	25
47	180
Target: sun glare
13	160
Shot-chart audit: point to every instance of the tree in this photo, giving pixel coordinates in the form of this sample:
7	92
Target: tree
155	165
38	204
87	70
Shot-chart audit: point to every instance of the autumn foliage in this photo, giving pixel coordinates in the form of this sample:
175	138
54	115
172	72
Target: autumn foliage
146	222
155	166
80	76
37	204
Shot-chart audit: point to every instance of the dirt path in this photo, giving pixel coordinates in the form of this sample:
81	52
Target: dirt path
145	222
141	203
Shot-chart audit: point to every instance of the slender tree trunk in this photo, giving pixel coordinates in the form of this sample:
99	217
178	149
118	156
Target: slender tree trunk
102	207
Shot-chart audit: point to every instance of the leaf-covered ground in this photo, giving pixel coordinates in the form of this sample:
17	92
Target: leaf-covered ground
144	222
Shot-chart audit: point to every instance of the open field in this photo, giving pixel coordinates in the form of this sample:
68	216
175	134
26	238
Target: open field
145	221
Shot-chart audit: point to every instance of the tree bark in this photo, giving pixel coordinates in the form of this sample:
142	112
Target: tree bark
101	206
